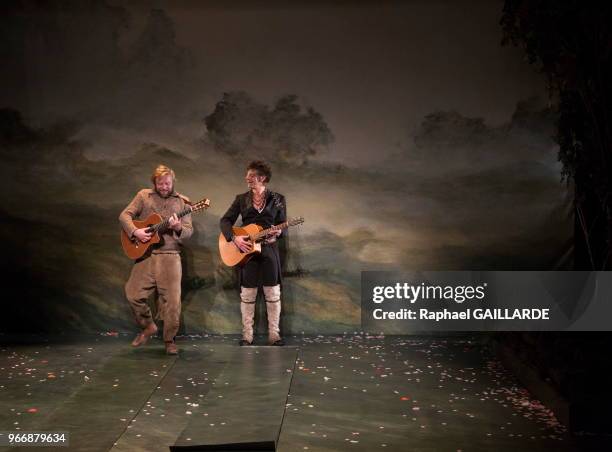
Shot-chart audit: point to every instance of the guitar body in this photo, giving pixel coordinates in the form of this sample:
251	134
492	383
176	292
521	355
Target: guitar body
230	254
134	248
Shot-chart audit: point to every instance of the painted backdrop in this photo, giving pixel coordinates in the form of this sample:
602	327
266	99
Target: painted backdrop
406	135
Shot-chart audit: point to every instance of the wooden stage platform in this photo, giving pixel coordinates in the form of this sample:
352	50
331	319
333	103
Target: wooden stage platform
351	392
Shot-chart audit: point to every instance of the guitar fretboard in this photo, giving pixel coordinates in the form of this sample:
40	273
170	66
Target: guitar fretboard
164	224
265	232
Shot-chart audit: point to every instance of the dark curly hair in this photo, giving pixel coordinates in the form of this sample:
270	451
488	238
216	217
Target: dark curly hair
262	169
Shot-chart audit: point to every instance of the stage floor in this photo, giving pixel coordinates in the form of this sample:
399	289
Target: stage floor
331	393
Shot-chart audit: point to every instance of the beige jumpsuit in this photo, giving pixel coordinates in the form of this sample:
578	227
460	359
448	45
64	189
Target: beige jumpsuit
162	269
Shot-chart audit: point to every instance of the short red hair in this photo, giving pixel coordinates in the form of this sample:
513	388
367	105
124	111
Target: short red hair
162	170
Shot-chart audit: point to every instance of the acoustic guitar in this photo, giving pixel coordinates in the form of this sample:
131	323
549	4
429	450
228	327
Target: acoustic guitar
135	249
231	254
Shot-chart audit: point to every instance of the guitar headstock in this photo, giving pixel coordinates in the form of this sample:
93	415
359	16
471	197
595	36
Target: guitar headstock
200	205
295	221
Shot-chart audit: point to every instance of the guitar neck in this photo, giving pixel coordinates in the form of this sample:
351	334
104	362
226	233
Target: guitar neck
164	224
265	232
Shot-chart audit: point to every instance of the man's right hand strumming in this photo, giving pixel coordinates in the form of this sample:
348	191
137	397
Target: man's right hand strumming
243	243
143	235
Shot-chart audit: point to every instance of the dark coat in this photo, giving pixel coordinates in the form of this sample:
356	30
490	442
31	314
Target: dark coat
274	212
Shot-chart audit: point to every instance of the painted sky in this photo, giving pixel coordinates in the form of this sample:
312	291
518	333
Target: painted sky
373	69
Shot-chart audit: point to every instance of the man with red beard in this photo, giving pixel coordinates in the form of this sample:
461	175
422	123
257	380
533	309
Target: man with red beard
161	268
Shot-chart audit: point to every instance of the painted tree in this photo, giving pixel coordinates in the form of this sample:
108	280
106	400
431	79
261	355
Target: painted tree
237	123
285	133
570	41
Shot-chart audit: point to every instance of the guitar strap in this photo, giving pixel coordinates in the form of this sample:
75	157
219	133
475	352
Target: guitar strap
184	198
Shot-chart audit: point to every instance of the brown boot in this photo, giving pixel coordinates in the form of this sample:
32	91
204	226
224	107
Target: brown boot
143	337
171	348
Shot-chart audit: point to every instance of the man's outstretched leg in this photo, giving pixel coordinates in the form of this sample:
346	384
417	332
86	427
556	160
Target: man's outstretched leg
169	287
137	290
